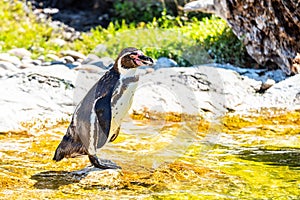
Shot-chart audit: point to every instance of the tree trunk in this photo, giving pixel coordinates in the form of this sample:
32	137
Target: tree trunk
270	29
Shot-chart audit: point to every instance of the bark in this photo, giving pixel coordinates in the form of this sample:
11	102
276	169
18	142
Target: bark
268	28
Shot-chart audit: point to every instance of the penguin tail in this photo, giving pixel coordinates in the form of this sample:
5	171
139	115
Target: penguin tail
68	148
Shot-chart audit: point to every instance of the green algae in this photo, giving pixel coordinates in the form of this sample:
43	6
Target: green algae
253	156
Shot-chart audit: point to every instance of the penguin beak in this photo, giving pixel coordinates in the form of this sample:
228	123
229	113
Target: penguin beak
142	60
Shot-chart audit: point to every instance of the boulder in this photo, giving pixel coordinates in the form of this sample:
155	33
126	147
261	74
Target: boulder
39	93
50	93
268	29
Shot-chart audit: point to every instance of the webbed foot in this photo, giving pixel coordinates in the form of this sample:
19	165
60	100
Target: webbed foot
103	164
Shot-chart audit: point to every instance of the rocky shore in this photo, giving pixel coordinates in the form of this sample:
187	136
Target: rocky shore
39	90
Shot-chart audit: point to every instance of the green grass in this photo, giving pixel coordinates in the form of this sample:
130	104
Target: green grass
185	42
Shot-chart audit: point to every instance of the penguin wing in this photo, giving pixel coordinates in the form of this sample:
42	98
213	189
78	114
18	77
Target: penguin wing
103	112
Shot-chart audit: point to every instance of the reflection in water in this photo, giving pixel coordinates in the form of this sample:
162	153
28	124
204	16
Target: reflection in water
158	160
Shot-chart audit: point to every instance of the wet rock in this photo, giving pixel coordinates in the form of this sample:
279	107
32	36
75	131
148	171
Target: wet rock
20	52
74	54
164	62
92	176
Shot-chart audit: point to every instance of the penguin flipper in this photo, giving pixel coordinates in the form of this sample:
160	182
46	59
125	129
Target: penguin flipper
103	112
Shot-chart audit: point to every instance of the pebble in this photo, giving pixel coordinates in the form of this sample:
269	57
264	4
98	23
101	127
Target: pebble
164	62
76	55
11	59
103	63
68	59
20	52
58	42
52	56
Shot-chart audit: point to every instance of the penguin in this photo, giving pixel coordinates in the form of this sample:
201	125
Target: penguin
97	118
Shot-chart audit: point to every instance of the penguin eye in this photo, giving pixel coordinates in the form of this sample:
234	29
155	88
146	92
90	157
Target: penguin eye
134	53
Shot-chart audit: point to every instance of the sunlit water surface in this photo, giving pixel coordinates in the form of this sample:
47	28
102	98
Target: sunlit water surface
161	159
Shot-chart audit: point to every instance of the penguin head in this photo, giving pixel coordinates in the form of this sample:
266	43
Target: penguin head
131	58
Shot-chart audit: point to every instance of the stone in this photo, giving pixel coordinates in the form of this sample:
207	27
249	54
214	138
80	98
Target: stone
37	62
52	57
41	58
100	48
58	42
164	62
195	90
91	176
267	84
89	68
74	54
68	59
52	92
104	63
8	66
268	29
12	59
20	52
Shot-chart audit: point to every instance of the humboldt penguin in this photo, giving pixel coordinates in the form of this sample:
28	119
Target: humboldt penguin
97	118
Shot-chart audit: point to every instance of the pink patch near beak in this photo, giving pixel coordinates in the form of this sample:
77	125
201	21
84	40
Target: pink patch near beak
136	59
138	62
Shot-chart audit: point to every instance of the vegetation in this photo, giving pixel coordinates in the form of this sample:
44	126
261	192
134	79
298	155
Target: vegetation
186	40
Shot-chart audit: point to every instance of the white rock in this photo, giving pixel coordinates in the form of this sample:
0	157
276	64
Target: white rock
285	94
89	68
36	93
8	66
164	62
194	90
58	41
103	63
20	52
74	54
12	59
68	59
48	92
52	56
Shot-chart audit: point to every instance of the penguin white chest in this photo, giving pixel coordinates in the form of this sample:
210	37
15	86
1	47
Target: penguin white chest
121	101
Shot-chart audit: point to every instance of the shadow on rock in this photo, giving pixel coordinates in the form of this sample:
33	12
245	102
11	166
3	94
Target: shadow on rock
53	179
86	177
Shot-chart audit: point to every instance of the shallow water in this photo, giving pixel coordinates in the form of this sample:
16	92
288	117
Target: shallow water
238	157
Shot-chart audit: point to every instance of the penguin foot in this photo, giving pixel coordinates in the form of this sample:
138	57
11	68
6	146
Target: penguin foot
103	164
